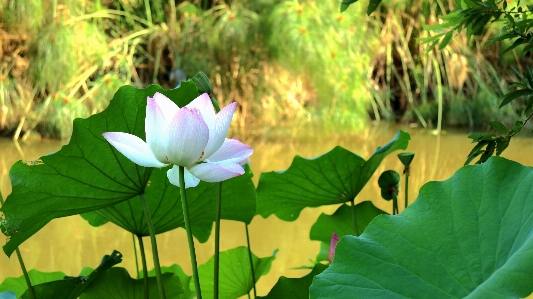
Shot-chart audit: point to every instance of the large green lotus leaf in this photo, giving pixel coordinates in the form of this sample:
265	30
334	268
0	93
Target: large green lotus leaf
87	173
333	178
467	237
185	280
116	283
294	288
56	284
94	219
341	222
235	276
164	204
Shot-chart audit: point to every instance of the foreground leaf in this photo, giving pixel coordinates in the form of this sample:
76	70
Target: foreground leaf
87	173
467	237
116	283
235	273
185	280
294	288
18	285
333	178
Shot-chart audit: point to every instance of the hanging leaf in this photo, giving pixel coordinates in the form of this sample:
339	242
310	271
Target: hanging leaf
467	237
116	283
294	288
341	222
333	178
235	273
389	183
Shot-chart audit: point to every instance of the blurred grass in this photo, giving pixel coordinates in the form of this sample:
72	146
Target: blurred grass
286	63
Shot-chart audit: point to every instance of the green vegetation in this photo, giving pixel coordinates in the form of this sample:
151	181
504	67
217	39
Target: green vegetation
284	62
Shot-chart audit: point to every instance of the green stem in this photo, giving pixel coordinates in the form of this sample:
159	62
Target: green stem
406	187
217	238
394	205
148	11
21	262
154	248
136	255
251	259
145	268
189	232
353	218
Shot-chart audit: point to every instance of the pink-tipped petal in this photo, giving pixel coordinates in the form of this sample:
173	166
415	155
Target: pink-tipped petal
212	173
203	104
156	127
188	136
219	130
134	148
190	180
231	151
166	105
333	244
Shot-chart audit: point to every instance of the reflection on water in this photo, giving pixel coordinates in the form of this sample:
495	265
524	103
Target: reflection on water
68	244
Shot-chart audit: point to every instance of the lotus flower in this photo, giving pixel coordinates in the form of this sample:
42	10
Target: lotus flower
333	244
192	136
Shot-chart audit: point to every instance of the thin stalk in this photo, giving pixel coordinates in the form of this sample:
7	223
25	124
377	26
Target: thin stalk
136	255
189	232
406	186
217	238
154	248
21	262
145	268
251	259
353	218
394	205
148	11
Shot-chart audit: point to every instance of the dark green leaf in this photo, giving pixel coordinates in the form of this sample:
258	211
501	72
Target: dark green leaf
475	136
235	273
333	178
498	126
116	283
341	222
202	83
466	237
389	184
372	5
476	151
446	40
346	3
502	145
517	42
94	219
294	288
514	95
517	127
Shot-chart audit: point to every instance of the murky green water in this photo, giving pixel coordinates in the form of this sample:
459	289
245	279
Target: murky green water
68	244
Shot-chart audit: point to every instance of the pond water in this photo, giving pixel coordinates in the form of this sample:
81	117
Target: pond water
69	243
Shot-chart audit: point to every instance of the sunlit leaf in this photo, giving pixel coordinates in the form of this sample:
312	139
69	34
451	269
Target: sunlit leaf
333	178
188	287
116	283
235	273
294	288
467	237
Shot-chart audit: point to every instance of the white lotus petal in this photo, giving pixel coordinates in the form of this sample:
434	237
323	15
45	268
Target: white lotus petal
219	130
166	105
188	136
211	172
134	148
156	128
190	180
231	151
203	104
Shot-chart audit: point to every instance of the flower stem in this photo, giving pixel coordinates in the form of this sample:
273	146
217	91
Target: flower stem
136	255
250	257
353	218
154	248
217	239
406	187
21	262
145	269
189	233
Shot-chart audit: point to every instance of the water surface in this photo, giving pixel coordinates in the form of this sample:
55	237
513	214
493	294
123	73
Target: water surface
69	243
